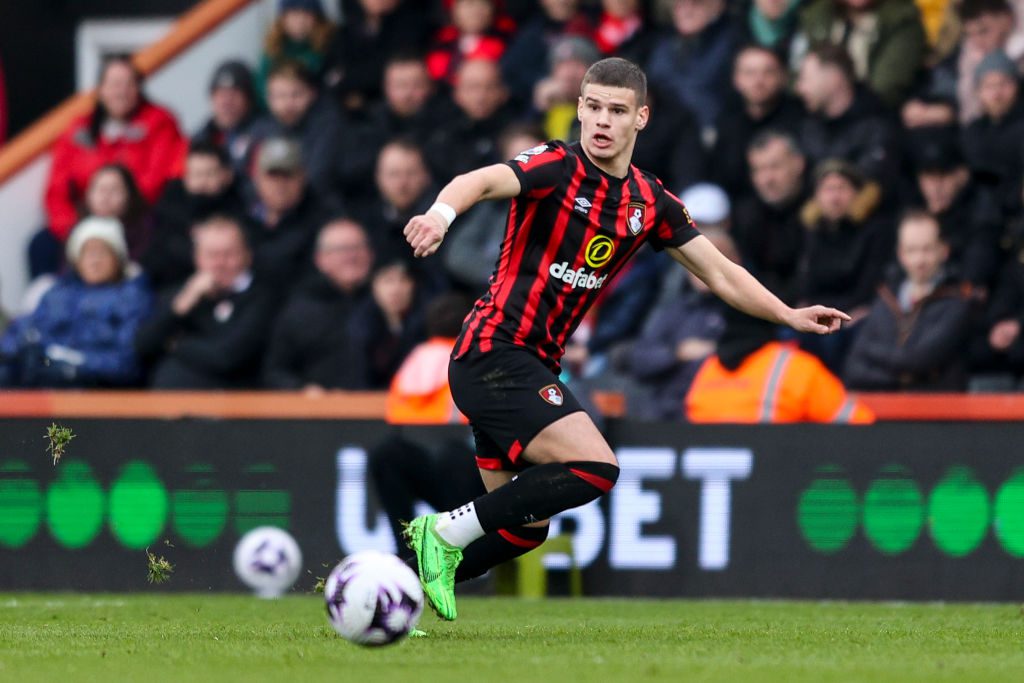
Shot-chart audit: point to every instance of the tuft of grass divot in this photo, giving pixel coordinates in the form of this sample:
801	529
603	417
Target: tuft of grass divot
160	569
58	438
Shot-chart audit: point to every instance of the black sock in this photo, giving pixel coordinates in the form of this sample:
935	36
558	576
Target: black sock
543	491
497	547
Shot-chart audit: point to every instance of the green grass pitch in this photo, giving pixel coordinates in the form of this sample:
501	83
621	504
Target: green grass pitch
77	638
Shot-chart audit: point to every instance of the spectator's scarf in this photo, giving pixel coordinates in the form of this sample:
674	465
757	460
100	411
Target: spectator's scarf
768	32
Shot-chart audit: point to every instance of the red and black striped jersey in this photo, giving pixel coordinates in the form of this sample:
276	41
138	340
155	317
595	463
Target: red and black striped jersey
569	232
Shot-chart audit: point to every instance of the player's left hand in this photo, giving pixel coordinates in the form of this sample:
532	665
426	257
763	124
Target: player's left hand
816	319
424	233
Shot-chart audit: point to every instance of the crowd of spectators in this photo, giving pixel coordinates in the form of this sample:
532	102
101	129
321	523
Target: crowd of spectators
863	154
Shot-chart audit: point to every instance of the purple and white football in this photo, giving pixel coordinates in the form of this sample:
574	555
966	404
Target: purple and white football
373	598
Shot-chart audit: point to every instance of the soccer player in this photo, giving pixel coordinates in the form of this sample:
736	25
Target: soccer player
578	213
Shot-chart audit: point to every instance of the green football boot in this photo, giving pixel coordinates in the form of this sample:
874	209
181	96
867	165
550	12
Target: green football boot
437	561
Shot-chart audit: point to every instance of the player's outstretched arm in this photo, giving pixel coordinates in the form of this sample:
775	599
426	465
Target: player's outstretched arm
426	231
738	288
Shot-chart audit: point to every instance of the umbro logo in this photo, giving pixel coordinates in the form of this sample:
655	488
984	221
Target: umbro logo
583	205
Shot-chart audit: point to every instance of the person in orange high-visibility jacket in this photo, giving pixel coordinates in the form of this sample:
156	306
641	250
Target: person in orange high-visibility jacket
412	463
419	392
755	379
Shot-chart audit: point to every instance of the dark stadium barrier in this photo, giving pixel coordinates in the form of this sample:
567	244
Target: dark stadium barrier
891	511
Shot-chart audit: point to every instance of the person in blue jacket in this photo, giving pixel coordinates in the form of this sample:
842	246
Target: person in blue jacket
80	334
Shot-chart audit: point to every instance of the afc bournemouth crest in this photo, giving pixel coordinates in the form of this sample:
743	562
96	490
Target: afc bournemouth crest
637	214
552	394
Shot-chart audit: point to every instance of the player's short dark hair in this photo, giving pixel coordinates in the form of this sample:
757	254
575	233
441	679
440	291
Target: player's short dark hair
975	9
617	72
208	148
836	57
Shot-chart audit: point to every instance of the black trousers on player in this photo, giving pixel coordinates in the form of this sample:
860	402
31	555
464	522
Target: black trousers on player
411	464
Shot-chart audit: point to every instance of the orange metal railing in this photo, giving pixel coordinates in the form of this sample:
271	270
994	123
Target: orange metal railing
370	405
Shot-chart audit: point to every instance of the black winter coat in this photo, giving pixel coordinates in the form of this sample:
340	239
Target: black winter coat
312	339
919	350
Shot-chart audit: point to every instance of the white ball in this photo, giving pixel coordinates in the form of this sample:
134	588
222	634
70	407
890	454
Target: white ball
268	560
373	598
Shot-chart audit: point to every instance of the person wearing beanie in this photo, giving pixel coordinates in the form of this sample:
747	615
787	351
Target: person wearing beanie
80	334
234	105
992	141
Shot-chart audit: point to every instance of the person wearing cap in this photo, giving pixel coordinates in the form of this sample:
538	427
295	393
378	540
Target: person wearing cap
914	338
692	61
848	245
80	334
297	110
233	107
300	33
766	223
208	186
845	120
968	211
761	102
211	332
992	142
284	216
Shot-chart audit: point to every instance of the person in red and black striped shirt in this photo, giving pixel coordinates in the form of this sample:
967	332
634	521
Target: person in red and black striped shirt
578	213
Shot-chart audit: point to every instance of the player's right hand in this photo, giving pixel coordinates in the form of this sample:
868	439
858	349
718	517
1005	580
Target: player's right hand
424	233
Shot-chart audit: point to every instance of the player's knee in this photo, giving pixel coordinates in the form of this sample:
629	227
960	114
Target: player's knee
601	475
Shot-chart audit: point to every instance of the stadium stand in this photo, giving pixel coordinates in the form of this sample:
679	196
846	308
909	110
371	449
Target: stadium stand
820	147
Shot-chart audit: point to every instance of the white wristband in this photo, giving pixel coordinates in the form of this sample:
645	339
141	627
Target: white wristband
446	211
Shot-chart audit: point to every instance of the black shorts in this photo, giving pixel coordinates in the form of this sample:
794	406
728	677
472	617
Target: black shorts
509	396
